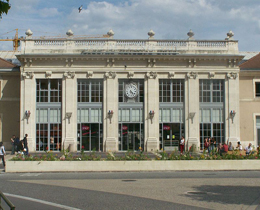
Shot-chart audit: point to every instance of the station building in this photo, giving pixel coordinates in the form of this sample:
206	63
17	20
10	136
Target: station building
120	94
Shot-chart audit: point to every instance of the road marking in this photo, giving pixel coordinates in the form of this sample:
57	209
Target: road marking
31	174
41	201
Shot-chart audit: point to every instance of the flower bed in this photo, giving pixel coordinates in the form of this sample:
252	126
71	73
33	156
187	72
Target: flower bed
131	161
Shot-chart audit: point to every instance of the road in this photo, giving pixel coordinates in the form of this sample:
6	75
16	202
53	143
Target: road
133	190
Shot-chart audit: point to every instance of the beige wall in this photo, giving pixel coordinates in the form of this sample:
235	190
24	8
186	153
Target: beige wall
9	107
249	107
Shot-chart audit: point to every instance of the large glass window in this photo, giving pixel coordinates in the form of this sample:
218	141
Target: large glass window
48	114
48	90
171	99
90	91
90	127
171	90
211	110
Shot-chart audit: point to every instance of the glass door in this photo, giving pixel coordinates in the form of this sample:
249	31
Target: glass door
130	136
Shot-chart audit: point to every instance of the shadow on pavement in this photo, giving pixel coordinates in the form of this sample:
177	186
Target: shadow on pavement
225	194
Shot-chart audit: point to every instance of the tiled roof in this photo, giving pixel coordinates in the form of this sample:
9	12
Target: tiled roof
252	63
247	55
6	64
11	56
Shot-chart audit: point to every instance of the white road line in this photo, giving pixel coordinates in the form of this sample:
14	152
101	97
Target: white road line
31	174
41	201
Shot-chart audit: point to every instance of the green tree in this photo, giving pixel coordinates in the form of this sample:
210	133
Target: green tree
4	7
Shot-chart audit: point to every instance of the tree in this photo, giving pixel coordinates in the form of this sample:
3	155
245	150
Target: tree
4	7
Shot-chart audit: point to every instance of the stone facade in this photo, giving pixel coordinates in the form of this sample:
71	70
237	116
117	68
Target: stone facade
250	101
146	62
9	102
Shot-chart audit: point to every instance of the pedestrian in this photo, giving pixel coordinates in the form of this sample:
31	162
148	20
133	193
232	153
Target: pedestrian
20	147
248	149
13	144
16	143
182	143
26	152
2	153
206	144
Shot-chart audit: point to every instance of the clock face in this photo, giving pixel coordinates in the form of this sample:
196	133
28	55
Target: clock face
131	90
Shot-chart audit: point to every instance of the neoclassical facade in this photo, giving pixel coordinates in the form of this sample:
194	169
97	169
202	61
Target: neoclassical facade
118	95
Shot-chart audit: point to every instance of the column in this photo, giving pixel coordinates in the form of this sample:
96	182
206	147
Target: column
192	111
232	103
110	112
28	108
69	111
151	105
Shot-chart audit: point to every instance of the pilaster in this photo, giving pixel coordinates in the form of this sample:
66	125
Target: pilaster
151	111
110	112
192	110
69	110
232	104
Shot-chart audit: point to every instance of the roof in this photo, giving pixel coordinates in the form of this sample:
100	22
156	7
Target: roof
11	56
252	64
247	55
6	64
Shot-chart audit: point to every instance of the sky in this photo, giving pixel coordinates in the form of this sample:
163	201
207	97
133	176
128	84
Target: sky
133	19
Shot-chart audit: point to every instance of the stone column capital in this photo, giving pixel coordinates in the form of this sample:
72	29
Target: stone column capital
69	75
27	75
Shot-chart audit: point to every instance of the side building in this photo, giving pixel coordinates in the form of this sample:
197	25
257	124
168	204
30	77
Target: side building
118	94
250	101
9	102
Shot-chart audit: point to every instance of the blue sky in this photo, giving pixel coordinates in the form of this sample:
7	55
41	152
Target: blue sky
132	19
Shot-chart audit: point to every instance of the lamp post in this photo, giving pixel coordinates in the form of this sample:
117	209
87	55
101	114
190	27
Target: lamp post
110	114
68	116
191	116
151	115
27	115
232	115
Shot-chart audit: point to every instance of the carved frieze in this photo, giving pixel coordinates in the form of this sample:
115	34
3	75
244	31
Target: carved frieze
69	74
171	75
151	75
130	74
192	75
232	75
89	74
211	75
110	75
48	74
151	62
28	75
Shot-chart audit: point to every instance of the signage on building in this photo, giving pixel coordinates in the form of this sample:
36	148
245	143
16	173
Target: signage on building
85	128
166	127
124	128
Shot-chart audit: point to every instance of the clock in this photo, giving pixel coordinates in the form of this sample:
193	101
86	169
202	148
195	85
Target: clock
131	90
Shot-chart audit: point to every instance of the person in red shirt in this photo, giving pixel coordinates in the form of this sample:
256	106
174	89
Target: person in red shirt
224	149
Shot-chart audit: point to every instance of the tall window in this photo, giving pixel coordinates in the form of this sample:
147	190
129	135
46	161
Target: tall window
212	110
257	89
48	90
171	91
90	127
48	114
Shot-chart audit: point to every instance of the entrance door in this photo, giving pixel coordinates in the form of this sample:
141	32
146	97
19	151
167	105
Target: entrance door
170	134
258	136
89	137
130	136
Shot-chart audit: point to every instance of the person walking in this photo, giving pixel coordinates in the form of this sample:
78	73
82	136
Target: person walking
13	144
26	152
2	153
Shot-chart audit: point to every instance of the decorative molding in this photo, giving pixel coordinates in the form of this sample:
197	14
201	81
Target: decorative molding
110	75
130	74
48	74
151	62
68	62
28	75
110	62
89	74
192	75
69	74
211	75
171	75
151	75
28	62
232	75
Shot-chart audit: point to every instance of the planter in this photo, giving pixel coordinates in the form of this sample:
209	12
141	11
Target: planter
154	165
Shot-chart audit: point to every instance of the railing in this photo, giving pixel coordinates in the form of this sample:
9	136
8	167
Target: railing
2	196
116	45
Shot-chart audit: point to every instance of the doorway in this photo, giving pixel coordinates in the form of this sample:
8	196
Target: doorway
130	136
170	135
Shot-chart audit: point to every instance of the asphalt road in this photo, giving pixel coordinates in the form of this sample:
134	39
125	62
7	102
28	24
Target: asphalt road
133	190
